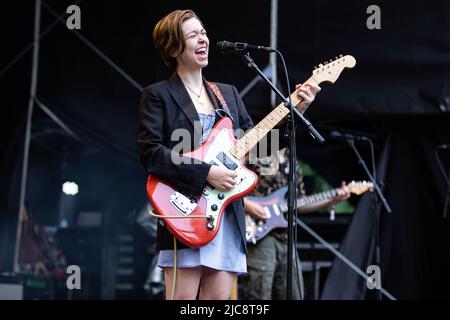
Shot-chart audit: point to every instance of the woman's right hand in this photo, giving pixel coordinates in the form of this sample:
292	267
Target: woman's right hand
221	178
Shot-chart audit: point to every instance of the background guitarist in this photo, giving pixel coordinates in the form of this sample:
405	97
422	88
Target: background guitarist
267	259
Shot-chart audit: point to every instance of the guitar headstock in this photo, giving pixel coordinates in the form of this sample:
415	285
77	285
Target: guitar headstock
360	187
329	71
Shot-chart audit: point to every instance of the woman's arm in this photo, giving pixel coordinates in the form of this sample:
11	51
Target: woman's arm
161	161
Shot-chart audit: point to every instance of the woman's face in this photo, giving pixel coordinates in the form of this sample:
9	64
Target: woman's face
195	56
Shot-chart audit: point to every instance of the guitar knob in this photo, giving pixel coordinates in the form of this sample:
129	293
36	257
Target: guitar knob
210	223
214	207
221	196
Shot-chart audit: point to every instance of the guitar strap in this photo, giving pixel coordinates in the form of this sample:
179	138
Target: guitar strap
220	99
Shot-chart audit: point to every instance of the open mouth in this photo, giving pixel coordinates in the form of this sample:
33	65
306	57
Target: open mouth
201	52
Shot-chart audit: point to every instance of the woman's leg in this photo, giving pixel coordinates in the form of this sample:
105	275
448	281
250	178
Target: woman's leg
186	283
216	284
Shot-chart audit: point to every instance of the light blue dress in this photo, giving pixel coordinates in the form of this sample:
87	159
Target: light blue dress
225	251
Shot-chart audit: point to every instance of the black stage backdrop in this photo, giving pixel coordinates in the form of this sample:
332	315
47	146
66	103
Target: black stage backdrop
398	94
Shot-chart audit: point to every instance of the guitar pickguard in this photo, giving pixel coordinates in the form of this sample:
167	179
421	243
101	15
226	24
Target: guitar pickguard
245	180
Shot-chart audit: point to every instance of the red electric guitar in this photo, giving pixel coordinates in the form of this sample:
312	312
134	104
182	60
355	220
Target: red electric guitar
195	220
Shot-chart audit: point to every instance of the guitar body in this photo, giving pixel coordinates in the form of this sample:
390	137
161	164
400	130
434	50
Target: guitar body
274	205
168	202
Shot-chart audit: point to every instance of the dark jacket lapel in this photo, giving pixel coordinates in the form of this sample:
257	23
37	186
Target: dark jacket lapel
183	100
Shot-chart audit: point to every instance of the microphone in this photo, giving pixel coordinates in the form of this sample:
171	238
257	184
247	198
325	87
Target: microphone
347	136
240	47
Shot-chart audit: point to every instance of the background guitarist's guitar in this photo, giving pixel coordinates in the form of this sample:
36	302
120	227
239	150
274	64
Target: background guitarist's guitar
195	219
275	205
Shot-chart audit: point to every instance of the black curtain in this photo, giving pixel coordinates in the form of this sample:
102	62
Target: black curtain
10	175
414	238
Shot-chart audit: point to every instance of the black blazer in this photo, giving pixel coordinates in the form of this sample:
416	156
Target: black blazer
166	106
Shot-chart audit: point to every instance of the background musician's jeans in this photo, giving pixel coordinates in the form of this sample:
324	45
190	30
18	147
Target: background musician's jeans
267	270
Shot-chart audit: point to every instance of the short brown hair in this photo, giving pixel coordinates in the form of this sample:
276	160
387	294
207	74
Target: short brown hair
168	36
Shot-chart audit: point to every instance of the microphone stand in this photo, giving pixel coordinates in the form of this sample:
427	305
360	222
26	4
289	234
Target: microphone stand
447	197
375	202
291	201
447	180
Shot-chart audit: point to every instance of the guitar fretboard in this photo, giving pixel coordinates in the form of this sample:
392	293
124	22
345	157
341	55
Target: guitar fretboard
252	137
317	197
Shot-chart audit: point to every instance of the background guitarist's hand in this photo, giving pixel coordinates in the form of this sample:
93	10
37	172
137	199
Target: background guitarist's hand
221	178
307	92
342	194
254	209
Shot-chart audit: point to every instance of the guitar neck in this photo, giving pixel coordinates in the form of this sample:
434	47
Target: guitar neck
317	197
252	137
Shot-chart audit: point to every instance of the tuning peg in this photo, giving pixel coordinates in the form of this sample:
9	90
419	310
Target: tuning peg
320	65
340	56
315	67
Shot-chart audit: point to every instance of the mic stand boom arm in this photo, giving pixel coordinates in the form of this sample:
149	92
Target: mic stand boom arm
351	142
251	64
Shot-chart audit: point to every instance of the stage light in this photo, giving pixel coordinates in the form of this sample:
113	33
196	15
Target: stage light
70	188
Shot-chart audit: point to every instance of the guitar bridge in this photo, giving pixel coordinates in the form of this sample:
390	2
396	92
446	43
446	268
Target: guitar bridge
184	204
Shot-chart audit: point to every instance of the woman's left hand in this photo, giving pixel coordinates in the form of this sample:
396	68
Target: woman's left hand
307	92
